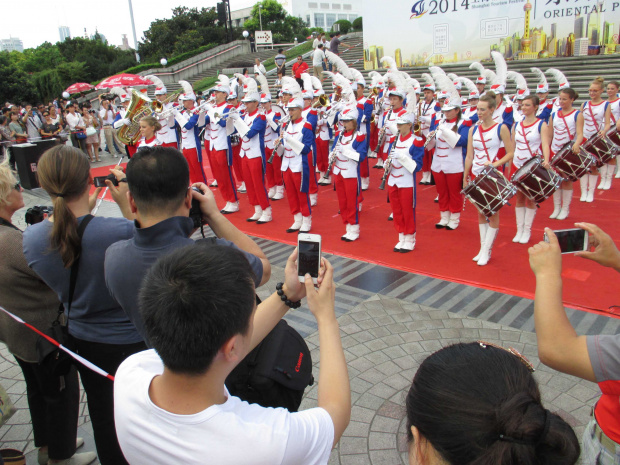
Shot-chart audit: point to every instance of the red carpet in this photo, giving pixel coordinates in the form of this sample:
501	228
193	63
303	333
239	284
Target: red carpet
448	254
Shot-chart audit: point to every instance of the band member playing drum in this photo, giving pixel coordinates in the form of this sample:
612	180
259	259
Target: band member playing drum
483	144
406	153
566	125
593	124
447	167
612	116
350	149
530	139
149	127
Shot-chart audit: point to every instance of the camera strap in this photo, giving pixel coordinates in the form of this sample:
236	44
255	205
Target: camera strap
75	267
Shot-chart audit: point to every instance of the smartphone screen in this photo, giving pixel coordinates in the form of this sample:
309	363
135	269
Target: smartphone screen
99	181
309	258
571	240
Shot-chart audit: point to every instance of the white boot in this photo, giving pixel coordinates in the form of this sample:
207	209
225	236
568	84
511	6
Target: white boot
583	182
365	183
408	243
591	186
354	233
603	171
401	240
618	171
279	193
242	189
214	183
445	219
455	219
520	215
306	224
391	217
297	224
313	199
567	196
530	213
344	236
609	176
557	204
258	211
485	253
271	192
265	216
483	233
231	207
379	164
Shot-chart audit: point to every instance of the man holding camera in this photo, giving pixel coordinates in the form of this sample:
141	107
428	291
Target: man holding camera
107	115
159	196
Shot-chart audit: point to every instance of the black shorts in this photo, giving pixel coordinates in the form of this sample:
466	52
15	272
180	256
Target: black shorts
282	69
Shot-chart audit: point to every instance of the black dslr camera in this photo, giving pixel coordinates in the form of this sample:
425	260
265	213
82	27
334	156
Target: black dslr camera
194	212
37	214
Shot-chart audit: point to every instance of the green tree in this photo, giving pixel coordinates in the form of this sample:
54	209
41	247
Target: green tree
357	23
16	84
345	26
275	19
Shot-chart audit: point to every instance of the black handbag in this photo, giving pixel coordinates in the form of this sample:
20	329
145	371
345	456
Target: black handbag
53	360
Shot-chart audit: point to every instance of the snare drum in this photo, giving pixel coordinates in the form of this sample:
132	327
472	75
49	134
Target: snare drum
572	166
490	191
601	148
535	181
614	137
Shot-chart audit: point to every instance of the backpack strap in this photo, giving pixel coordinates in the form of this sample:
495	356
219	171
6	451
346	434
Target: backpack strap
76	264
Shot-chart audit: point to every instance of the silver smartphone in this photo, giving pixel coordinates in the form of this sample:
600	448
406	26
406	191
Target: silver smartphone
309	256
571	240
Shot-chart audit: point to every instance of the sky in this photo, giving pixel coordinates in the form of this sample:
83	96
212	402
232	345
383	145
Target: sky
37	21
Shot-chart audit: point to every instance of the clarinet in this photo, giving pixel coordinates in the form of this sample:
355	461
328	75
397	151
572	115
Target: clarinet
276	146
387	167
332	159
381	139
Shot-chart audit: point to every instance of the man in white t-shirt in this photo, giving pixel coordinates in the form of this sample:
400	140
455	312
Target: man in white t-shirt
318	59
170	403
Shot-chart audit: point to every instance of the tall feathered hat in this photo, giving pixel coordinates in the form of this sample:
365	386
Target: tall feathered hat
453	99
376	79
340	81
339	64
412	103
291	86
308	91
415	84
317	86
559	78
501	70
188	91
121	93
358	77
222	84
250	90
485	74
160	88
429	82
471	87
521	83
455	80
543	86
264	88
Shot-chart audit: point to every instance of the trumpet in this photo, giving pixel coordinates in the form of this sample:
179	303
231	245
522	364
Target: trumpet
322	102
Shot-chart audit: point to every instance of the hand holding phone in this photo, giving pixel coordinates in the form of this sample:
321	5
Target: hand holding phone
571	240
309	256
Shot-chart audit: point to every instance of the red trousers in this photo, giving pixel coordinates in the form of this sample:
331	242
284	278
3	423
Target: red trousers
346	190
174	145
314	186
364	168
374	136
383	152
322	154
274	170
427	161
449	187
297	201
255	181
196	173
237	165
223	175
401	200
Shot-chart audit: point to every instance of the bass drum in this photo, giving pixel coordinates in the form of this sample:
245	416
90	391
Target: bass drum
601	148
572	166
535	181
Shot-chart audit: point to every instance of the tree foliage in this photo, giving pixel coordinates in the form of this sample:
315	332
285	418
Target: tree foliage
16	85
345	26
357	23
276	19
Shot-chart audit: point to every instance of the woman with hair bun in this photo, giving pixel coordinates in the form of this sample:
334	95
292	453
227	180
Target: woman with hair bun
149	125
594	112
478	404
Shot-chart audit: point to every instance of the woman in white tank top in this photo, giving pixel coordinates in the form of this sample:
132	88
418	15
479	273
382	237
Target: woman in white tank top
565	125
612	118
483	144
531	139
593	123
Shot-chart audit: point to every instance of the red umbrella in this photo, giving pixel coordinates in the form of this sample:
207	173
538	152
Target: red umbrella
79	87
123	80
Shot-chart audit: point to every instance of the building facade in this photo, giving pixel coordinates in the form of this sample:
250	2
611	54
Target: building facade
323	14
64	33
10	44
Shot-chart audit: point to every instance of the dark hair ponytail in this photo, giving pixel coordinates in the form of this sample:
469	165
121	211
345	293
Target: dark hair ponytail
64	173
481	406
570	92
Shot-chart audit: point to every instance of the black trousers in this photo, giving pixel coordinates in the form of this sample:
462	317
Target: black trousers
78	143
100	393
54	407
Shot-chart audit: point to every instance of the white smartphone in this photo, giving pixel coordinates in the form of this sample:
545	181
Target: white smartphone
571	240
309	256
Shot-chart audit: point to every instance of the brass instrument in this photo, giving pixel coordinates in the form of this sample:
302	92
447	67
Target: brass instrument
322	102
139	107
158	106
332	159
387	167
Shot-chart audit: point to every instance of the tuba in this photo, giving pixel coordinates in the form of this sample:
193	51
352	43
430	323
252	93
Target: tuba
139	107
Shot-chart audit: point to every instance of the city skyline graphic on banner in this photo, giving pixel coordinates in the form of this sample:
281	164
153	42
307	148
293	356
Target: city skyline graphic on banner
448	31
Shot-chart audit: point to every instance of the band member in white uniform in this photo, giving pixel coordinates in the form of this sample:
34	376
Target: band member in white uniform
472	109
612	116
483	145
593	123
426	110
275	184
530	139
190	125
350	149
323	135
387	122
565	125
167	134
149	127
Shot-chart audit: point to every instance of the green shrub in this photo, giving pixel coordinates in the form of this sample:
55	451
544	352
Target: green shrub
345	26
357	24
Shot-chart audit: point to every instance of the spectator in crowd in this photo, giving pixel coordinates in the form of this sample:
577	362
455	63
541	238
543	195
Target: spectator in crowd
595	358
55	116
335	42
32	121
75	123
319	61
479	403
99	329
259	68
49	128
326	46
18	129
175	395
158	195
7	139
317	40
280	61
252	44
299	68
53	400
91	124
107	114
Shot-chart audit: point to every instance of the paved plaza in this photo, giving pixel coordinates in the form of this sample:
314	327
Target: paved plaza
390	321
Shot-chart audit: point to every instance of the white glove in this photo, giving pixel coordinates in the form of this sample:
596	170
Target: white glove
393	128
126	121
235	116
425	119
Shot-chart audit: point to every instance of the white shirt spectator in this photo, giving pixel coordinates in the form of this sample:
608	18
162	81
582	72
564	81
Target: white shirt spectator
234	432
316	43
318	57
107	116
74	120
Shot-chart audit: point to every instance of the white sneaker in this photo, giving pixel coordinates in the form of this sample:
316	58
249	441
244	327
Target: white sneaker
313	199
242	188
265	216
306	224
279	193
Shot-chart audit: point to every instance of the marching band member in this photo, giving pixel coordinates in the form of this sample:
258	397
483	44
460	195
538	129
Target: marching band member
252	152
297	139
565	125
217	143
364	109
593	123
518	101
149	130
530	137
483	146
481	84
426	110
450	147
486	75
311	116
376	99
120	121
542	92
233	103
275	184
612	116
167	134
190	124
387	123
406	151
472	102
562	83
323	135
349	149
